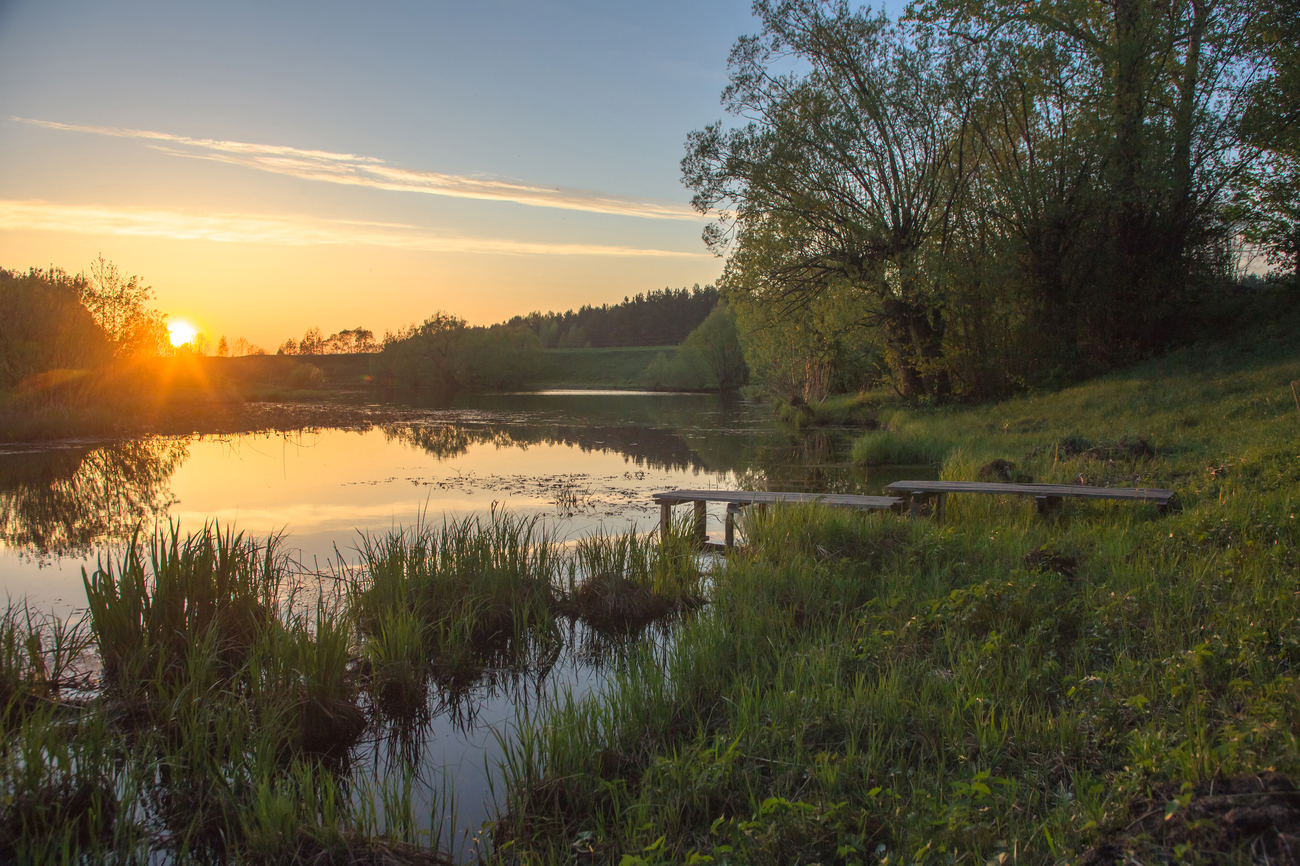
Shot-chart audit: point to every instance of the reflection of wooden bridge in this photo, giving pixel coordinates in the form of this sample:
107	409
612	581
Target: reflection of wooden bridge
1047	496
738	499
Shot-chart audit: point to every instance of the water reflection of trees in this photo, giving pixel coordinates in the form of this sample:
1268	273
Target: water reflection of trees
645	446
679	433
64	502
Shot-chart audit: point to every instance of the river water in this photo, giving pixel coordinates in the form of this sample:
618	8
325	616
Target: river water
581	460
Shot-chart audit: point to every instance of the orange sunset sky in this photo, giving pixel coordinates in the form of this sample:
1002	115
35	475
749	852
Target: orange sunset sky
272	169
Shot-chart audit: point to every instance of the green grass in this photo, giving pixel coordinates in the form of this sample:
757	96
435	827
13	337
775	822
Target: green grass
858	687
837	410
998	688
452	601
594	368
621	583
898	448
228	705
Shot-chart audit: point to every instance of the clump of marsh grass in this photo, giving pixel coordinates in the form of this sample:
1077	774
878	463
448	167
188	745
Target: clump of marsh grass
894	448
223	734
37	654
56	786
468	592
180	616
328	718
398	662
624	581
165	596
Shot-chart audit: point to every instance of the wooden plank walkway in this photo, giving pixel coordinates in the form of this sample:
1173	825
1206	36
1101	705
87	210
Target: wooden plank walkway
738	499
1048	496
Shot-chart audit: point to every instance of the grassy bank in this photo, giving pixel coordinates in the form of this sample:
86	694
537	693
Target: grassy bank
594	368
999	688
836	410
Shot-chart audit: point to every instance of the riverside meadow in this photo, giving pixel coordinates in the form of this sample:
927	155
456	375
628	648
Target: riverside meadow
410	588
840	687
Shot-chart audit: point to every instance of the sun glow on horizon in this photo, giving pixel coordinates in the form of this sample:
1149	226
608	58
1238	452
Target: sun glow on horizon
181	332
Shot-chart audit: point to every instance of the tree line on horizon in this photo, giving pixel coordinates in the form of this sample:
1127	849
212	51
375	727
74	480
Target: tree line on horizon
993	195
445	355
75	328
656	318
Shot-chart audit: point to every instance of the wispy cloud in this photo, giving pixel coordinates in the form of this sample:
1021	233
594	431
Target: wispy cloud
369	171
283	230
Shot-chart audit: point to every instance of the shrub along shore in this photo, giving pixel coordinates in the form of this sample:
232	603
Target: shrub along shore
1099	685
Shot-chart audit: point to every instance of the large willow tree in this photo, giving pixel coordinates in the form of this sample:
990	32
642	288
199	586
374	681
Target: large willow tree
843	183
1000	193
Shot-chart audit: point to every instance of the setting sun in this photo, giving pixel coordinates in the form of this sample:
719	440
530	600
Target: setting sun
181	332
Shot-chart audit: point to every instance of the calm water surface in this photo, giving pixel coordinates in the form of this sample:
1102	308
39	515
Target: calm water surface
580	460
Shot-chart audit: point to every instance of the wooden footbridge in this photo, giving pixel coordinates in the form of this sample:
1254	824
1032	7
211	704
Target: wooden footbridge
922	497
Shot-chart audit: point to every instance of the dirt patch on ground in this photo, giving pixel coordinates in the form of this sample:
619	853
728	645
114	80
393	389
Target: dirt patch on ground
1048	558
1003	470
1214	822
1136	448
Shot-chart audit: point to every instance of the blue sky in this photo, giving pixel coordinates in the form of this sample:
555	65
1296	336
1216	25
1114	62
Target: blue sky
269	167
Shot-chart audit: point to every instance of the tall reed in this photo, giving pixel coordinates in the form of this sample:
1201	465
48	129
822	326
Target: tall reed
164	595
478	587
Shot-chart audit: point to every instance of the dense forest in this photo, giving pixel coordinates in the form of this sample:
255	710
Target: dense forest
656	318
992	195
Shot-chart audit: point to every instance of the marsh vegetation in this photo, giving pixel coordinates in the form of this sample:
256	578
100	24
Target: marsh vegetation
996	687
209	704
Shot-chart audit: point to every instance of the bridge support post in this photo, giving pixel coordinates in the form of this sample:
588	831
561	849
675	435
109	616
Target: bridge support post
701	530
733	508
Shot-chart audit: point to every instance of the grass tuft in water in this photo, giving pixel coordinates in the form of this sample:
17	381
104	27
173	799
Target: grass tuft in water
475	591
894	448
622	582
160	599
37	657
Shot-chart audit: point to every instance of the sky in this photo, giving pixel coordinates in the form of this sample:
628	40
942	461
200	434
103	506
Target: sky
270	167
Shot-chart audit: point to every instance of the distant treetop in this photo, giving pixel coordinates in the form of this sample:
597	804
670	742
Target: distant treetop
656	318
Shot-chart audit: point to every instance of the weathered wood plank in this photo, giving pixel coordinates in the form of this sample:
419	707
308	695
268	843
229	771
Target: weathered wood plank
1047	496
1078	491
737	499
750	497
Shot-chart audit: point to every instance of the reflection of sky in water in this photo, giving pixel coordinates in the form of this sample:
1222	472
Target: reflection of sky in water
457	754
321	489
